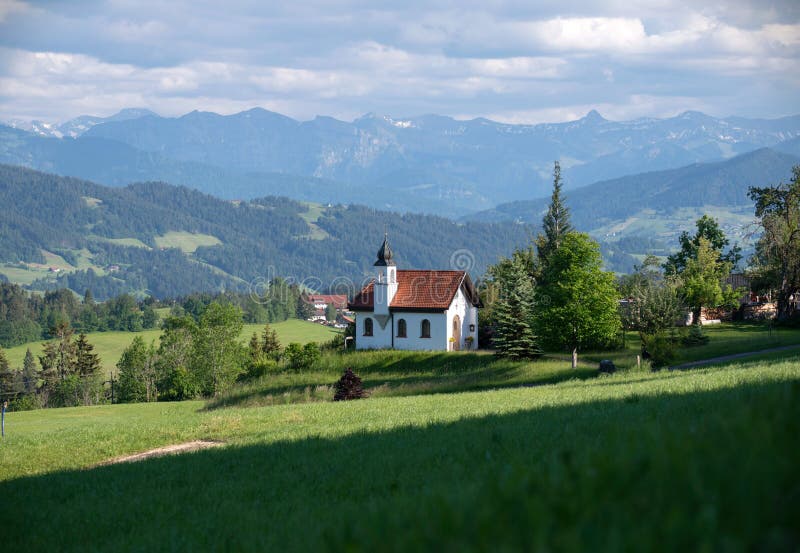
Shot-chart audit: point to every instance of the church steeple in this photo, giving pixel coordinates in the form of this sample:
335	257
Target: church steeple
385	255
386	283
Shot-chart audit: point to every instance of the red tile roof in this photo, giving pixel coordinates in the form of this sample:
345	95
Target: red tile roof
420	290
339	301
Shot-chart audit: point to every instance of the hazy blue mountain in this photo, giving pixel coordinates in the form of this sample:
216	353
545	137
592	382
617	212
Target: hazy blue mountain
76	127
430	163
660	204
115	163
450	157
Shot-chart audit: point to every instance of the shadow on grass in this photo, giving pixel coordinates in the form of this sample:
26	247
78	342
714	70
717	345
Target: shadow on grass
565	478
410	375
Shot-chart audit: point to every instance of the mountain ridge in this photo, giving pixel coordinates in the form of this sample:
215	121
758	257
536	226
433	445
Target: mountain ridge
168	241
432	163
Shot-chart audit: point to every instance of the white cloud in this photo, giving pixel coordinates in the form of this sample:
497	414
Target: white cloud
513	60
10	7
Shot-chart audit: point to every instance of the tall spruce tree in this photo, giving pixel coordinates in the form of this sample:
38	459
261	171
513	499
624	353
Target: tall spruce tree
87	368
555	224
87	362
514	336
30	373
65	350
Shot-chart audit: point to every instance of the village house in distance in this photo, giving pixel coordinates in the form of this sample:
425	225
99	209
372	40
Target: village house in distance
416	310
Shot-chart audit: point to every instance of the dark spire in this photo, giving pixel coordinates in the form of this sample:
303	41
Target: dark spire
385	255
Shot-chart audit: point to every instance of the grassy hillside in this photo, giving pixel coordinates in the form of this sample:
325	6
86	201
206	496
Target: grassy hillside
110	345
634	461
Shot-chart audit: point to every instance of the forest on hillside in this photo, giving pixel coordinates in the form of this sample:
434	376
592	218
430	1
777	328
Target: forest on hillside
112	238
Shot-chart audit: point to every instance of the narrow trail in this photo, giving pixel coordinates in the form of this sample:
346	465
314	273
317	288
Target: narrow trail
161	451
731	357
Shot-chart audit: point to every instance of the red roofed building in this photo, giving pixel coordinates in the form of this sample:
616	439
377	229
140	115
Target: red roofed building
321	301
416	310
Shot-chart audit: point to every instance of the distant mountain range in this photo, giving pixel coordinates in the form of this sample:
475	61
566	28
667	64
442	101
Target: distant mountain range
430	164
661	204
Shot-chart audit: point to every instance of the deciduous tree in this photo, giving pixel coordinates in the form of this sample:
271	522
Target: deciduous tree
703	280
777	258
707	229
576	306
218	357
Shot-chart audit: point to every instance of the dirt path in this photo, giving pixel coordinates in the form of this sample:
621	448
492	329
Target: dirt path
731	357
161	451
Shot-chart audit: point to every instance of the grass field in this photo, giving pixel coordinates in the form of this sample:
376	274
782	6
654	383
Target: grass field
187	242
724	339
110	345
311	216
684	460
28	272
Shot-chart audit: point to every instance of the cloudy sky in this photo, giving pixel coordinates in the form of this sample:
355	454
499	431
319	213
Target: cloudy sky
523	61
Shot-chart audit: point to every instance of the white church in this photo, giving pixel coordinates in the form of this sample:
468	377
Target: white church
416	310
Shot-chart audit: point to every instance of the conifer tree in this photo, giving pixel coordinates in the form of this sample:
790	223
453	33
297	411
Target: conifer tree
254	348
30	373
556	221
64	350
87	368
270	343
6	377
514	336
87	363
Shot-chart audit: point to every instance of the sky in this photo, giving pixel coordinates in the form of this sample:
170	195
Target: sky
514	61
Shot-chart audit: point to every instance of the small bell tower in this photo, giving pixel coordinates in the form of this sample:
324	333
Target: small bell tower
386	284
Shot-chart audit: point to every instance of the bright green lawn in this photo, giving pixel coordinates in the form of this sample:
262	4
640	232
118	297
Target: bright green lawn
701	460
110	345
187	242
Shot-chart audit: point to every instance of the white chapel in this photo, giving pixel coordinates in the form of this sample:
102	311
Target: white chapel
416	310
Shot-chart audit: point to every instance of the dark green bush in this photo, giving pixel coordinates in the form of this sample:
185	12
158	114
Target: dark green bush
660	349
695	337
348	387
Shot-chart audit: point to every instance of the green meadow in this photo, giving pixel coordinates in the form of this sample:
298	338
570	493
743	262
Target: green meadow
545	459
110	345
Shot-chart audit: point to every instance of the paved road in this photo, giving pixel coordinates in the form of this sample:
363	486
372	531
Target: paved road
731	357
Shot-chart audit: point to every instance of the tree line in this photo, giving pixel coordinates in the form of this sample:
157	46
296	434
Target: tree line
259	239
27	317
203	357
67	373
554	294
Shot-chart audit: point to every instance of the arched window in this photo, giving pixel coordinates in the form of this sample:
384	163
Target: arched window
425	329
401	328
367	327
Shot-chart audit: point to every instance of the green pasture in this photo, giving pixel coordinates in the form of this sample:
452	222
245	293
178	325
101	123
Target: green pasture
674	460
724	339
187	242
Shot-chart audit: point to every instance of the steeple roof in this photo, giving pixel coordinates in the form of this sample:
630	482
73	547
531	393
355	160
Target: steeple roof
385	255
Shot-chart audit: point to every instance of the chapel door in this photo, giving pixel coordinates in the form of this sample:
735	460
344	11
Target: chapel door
456	333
